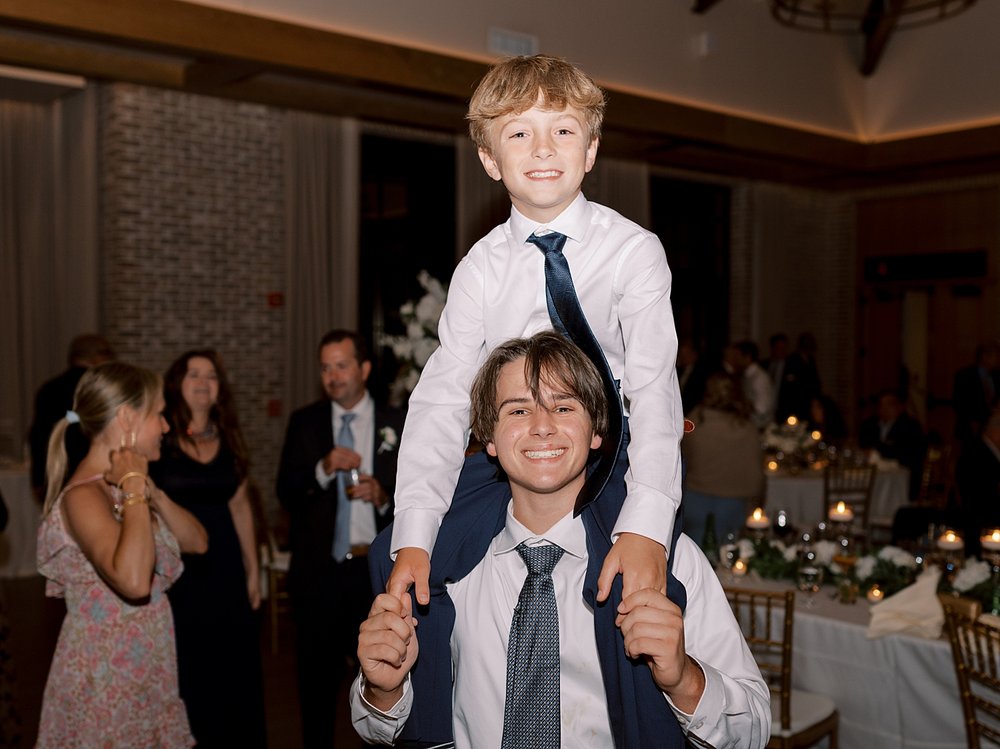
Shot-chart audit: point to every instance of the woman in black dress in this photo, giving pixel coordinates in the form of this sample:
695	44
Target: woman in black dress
203	467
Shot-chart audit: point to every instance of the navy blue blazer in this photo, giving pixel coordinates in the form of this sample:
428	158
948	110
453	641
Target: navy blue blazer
640	716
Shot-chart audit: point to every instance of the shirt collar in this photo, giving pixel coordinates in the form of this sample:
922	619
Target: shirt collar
361	407
568	534
572	222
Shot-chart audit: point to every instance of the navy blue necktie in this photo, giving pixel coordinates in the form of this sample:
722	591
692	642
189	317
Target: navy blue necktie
531	707
568	318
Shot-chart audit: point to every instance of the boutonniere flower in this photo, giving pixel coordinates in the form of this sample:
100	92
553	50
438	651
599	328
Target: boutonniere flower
389	440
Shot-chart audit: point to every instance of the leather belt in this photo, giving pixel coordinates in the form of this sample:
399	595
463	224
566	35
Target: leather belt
358	551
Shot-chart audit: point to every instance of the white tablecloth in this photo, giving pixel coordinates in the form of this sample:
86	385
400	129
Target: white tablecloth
17	542
896	692
801	495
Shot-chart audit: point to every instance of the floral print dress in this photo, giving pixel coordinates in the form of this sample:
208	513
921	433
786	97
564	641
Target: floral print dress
113	680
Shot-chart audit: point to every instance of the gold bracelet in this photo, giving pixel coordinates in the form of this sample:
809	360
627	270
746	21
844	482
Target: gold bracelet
131	475
133	499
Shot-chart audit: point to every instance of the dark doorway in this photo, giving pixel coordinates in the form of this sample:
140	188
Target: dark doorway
692	221
407	225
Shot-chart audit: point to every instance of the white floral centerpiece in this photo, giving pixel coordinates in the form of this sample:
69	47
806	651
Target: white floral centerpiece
791	439
891	568
421	340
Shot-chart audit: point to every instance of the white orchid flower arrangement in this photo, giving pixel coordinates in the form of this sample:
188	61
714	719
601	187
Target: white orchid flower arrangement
421	340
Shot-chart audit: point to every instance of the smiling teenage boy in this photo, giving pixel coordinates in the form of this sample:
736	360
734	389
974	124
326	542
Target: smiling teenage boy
592	677
536	122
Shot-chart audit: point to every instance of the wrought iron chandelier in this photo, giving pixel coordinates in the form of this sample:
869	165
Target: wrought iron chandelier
860	16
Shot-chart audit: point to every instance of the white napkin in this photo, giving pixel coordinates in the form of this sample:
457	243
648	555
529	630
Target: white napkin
883	464
915	610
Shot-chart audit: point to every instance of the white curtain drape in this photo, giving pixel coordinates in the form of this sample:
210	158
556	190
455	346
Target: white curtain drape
49	257
621	185
322	181
481	202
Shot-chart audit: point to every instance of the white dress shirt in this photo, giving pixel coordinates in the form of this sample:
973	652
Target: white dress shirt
363	527
734	709
760	392
497	293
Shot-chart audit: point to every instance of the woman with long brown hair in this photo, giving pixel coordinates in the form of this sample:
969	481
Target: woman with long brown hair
110	543
204	467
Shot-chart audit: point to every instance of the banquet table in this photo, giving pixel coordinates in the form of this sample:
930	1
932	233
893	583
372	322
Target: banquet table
801	494
896	692
17	542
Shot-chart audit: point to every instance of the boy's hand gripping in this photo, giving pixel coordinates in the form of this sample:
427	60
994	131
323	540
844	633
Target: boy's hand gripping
413	567
641	561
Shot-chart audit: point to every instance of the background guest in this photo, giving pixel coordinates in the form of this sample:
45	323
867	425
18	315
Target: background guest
741	357
774	364
800	381
203	467
978	477
54	398
109	545
976	392
723	459
331	527
691	374
10	719
826	418
895	435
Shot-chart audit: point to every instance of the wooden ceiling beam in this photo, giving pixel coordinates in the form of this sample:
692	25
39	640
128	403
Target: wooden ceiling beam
196	30
183	46
93	61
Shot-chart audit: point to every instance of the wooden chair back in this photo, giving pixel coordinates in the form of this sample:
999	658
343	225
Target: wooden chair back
975	647
851	485
766	619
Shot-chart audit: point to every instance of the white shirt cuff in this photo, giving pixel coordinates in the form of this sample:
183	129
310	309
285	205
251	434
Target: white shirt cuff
374	725
414	527
649	515
323	478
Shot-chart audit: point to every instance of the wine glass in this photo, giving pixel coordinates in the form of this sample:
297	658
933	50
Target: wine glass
810	576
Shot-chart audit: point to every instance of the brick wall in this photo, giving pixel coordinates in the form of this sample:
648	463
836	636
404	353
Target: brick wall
192	243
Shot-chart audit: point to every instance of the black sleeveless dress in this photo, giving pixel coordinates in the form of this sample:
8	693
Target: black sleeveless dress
218	646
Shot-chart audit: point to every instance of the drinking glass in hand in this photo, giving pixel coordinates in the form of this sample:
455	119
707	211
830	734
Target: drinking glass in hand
352	478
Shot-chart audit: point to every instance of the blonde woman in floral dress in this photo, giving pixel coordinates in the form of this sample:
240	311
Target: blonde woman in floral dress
110	544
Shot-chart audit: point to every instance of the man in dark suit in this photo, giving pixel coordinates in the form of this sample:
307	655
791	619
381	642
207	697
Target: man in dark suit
976	392
54	398
895	435
336	479
978	478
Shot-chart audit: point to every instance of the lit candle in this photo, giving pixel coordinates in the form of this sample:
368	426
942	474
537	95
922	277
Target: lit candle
875	594
816	435
739	568
841	513
792	421
991	540
772	465
758	520
950	541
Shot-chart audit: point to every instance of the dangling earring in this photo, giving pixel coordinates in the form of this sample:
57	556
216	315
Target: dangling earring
133	438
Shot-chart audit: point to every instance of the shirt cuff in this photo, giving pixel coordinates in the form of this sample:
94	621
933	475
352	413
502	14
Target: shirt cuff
414	527
323	478
379	726
711	707
651	515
